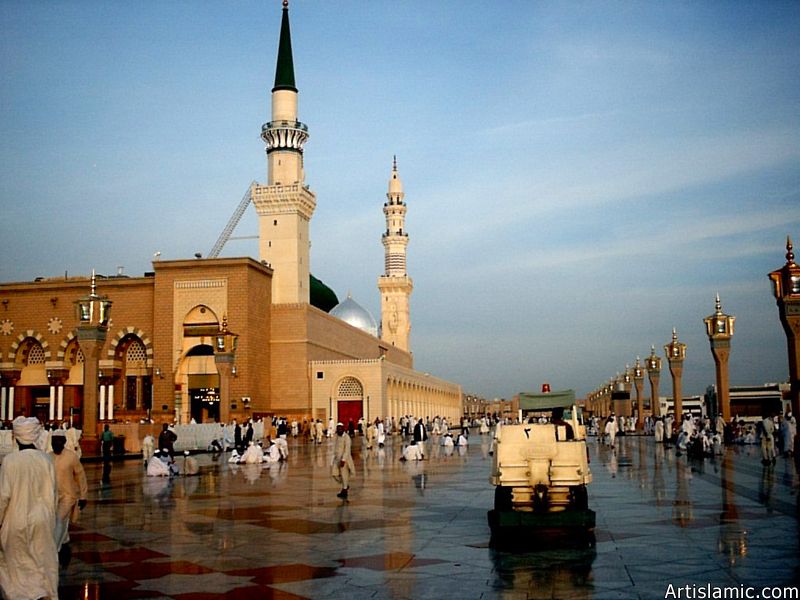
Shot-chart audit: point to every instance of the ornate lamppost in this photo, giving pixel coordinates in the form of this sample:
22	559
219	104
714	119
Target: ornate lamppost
92	312
638	379
620	397
626	385
786	288
224	354
719	328
653	365
676	354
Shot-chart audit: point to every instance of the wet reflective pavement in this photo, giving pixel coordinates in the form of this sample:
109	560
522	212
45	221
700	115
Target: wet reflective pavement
419	530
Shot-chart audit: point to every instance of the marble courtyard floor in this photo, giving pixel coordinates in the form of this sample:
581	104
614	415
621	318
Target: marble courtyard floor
420	530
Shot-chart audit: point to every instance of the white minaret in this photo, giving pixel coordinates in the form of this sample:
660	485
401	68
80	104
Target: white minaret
285	204
395	285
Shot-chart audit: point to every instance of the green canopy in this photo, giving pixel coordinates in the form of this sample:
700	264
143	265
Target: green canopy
546	401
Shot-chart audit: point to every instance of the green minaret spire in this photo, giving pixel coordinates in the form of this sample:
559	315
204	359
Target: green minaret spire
284	72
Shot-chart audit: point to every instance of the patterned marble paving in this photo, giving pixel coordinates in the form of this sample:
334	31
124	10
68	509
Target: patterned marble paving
420	530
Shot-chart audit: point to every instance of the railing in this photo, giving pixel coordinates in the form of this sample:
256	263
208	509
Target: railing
284	125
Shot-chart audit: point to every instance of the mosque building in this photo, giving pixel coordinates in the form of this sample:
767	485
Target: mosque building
294	351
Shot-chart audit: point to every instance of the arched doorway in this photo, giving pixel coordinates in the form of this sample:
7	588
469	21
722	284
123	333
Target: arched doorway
203	380
349	401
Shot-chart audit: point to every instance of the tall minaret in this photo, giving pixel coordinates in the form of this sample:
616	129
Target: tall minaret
395	285
285	204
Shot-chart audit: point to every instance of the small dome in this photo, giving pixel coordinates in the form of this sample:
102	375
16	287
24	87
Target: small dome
321	296
353	313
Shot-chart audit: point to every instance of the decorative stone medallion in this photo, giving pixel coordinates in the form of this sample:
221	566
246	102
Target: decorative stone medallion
54	325
6	327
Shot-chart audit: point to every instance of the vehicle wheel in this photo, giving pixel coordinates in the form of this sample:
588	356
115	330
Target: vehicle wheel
579	497
502	498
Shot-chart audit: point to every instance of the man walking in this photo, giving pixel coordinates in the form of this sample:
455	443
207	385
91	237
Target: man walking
420	435
29	560
343	466
72	491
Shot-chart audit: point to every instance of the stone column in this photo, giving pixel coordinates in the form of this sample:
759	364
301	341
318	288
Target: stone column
91	340
224	362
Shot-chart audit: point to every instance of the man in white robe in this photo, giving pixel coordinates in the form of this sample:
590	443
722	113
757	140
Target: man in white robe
320	431
342	467
148	448
158	466
381	433
73	490
28	496
73	438
767	440
272	454
254	455
611	430
659	431
412	452
370	435
788	433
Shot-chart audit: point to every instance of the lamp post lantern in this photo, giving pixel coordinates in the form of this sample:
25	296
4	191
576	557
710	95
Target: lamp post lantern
786	289
676	354
653	365
719	328
224	354
638	379
93	313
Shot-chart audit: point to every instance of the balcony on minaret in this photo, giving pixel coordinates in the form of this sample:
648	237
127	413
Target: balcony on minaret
284	135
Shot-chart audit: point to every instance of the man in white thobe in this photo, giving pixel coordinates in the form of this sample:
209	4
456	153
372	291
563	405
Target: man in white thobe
412	452
659	430
73	438
28	493
788	433
342	467
254	455
767	440
72	487
158	466
611	430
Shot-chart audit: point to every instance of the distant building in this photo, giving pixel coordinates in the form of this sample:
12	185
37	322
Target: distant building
752	401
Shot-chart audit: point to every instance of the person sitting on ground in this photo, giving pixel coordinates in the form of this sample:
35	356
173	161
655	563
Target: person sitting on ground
447	440
462	440
412	452
254	455
272	454
158	466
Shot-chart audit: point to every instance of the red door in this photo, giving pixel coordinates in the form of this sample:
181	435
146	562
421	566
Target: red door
349	410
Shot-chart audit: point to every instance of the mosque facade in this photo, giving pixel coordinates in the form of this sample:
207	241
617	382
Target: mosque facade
298	352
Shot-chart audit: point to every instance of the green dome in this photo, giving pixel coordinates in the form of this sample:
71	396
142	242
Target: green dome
321	296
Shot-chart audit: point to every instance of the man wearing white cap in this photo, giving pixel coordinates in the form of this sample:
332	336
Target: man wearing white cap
29	561
343	465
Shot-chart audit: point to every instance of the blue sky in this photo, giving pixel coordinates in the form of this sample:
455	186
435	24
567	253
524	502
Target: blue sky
581	177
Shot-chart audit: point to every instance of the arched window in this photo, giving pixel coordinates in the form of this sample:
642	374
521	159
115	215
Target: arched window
350	387
138	390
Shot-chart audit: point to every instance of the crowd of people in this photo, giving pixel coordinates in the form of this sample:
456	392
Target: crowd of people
701	436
